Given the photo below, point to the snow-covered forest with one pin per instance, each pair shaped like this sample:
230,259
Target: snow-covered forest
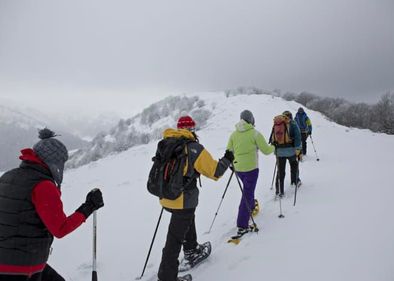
377,117
142,128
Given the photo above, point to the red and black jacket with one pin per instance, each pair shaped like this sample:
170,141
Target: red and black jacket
31,214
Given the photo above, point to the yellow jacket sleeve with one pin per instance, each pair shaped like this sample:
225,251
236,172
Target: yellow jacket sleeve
206,165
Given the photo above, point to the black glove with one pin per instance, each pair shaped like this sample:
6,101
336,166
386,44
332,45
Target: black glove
94,201
229,155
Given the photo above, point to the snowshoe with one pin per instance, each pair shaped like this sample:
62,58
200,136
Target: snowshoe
186,277
195,257
241,232
256,208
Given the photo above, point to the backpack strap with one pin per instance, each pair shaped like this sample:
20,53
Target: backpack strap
193,173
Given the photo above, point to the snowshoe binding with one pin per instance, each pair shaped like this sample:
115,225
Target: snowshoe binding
236,239
186,277
195,257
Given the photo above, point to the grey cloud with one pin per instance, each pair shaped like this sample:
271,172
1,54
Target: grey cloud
337,48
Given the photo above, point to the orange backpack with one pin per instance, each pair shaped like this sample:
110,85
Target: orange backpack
280,135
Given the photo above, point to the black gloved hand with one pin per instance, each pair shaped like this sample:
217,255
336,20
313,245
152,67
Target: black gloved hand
95,197
229,155
94,201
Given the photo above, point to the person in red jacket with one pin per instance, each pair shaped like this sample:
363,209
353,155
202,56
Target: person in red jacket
31,211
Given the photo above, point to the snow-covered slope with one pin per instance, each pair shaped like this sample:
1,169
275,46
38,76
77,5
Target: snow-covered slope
340,229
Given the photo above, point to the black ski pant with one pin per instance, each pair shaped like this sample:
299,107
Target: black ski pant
181,231
304,137
48,274
280,176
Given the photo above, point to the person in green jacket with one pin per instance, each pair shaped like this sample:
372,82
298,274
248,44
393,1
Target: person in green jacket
245,143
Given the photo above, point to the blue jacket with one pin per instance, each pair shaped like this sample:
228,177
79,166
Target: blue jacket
303,122
295,134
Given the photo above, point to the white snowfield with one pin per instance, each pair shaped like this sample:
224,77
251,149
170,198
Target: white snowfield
341,228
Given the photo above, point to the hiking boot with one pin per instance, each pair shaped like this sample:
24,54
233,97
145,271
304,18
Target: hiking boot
195,256
192,254
281,195
241,231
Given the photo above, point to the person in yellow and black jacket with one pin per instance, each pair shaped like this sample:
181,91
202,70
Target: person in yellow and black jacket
182,229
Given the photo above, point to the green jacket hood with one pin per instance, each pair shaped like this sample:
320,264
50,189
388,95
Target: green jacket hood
243,126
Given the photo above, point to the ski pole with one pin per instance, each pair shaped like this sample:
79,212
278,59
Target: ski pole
221,201
273,176
94,270
247,203
297,181
281,216
317,157
151,245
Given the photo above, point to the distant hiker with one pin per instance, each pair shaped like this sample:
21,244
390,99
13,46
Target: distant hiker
245,142
305,125
182,143
286,137
31,211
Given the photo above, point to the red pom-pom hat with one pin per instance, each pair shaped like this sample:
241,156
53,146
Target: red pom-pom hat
186,122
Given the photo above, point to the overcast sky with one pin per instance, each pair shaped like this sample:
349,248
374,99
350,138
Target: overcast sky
106,53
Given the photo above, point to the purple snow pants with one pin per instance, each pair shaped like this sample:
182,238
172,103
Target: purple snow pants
249,180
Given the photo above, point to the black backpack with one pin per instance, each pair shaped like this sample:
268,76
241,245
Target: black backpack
166,178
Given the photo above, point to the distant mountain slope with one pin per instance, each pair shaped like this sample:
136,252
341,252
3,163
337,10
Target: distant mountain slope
20,130
142,128
86,125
